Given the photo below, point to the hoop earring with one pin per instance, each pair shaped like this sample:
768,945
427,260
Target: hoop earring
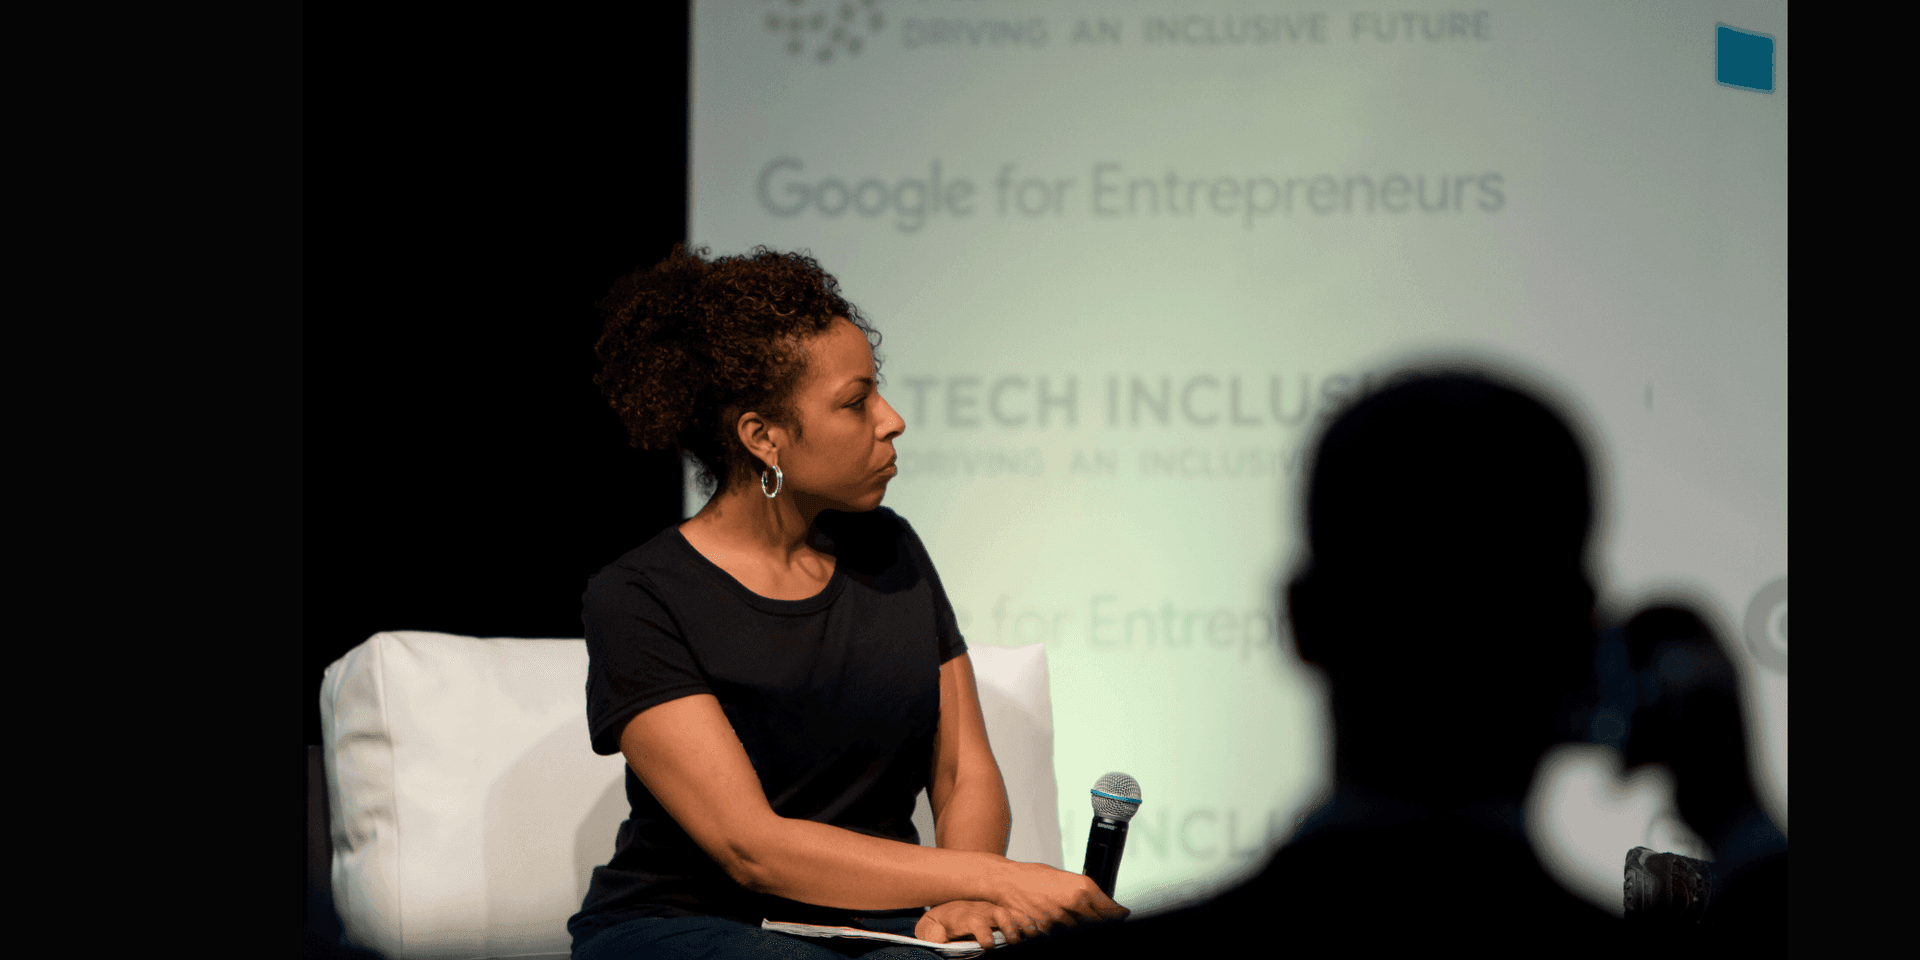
779,480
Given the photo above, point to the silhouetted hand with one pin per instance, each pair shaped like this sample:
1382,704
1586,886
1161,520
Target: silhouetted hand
1693,723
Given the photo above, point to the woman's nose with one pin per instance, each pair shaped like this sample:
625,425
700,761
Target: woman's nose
892,424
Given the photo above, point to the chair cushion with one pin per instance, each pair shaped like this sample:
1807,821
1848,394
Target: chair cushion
468,808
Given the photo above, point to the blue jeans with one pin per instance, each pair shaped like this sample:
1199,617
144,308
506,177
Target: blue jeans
718,938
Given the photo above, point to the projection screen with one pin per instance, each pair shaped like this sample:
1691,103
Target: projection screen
1124,255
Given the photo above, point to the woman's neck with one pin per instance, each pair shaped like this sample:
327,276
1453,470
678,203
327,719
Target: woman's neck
777,529
769,545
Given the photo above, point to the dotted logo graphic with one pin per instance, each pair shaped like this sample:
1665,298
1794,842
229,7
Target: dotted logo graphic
824,30
1766,625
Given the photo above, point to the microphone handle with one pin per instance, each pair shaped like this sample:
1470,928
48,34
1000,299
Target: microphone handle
1105,840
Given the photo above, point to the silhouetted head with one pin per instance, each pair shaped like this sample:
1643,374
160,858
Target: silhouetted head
1446,595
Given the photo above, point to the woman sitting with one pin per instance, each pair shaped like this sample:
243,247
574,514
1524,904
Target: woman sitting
783,672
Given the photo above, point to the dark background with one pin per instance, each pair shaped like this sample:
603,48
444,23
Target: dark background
474,183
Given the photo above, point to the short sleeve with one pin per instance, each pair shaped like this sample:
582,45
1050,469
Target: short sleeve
946,626
637,655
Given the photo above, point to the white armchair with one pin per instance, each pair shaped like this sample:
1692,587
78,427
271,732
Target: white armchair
467,809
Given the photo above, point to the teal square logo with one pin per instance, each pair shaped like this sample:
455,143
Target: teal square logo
1742,58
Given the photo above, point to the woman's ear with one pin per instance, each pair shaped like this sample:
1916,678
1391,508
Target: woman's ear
756,434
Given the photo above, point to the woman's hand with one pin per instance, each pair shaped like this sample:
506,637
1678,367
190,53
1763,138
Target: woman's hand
979,919
1033,898
968,918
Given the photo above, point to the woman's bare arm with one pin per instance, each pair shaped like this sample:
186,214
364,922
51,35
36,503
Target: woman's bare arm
970,810
688,756
969,798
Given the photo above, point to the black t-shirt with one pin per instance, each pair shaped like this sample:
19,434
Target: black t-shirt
836,699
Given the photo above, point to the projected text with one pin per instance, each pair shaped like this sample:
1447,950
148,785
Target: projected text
785,188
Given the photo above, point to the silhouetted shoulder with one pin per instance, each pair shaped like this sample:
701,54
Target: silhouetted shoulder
1407,886
1438,874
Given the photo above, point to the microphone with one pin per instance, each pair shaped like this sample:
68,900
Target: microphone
1116,798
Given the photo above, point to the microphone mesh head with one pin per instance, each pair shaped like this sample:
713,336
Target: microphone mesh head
1116,785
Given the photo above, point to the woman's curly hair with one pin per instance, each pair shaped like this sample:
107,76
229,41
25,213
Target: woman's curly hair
697,340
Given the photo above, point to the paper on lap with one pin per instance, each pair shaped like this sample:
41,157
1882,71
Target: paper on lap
957,948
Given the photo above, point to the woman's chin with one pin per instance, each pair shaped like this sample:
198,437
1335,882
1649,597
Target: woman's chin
861,504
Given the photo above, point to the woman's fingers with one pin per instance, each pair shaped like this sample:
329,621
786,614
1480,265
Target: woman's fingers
1035,926
931,930
979,920
982,928
1106,907
1017,927
1051,897
1094,904
1002,921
